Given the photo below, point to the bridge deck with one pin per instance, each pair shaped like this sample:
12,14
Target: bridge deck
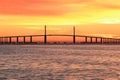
87,39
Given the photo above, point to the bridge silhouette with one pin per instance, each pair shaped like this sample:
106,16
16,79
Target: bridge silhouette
97,39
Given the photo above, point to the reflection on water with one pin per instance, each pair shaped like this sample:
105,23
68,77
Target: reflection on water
60,62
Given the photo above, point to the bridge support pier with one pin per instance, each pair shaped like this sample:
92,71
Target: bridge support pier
101,40
109,41
5,40
91,41
113,41
105,40
17,41
45,36
1,40
86,40
74,41
118,41
24,41
30,39
96,40
10,40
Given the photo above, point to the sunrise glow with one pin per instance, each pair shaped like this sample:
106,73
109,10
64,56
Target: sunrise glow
19,17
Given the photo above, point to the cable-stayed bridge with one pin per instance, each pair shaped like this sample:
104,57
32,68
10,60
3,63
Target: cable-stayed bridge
87,39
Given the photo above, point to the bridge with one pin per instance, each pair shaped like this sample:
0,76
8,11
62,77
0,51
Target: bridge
92,39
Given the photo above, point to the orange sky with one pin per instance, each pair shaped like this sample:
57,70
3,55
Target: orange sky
18,17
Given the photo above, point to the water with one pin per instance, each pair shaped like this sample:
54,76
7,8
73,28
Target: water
59,62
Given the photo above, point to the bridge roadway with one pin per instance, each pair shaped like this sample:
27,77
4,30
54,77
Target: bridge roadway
87,39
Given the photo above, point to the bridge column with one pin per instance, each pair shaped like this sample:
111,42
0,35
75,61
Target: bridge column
30,39
115,41
91,40
45,36
96,40
74,35
10,40
118,41
111,40
24,41
0,40
106,40
5,40
86,40
101,40
17,39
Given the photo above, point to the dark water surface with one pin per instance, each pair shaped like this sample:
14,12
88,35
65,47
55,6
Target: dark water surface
59,62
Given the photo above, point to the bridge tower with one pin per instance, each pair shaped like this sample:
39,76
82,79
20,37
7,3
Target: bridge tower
74,41
45,35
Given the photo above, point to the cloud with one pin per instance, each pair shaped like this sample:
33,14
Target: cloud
53,7
30,7
66,12
36,7
111,4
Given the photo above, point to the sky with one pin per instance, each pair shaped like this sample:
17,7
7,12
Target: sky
91,17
